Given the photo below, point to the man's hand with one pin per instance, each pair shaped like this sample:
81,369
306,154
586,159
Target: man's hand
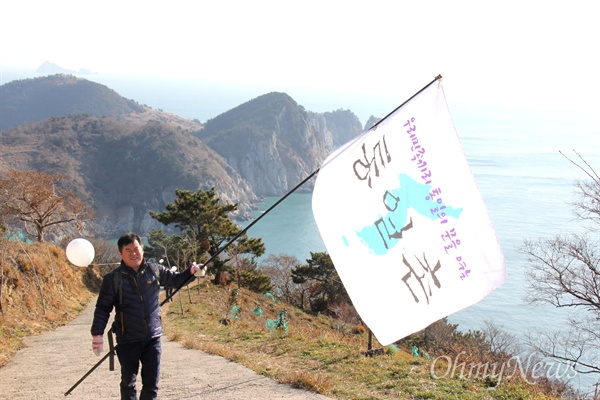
97,344
195,268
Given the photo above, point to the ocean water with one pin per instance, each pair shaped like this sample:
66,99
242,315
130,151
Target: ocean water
516,206
524,180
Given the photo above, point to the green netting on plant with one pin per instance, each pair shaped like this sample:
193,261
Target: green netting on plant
234,313
278,324
258,311
269,295
391,349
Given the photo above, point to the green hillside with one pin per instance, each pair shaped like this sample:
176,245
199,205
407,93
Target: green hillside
59,95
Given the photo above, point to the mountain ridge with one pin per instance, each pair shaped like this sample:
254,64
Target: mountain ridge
35,99
281,144
263,147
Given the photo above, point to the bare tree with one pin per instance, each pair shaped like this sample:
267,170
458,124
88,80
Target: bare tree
500,342
37,202
565,272
279,268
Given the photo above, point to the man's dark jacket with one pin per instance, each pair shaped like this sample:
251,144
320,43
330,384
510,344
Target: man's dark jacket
137,317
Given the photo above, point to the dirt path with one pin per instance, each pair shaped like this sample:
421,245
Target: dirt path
53,362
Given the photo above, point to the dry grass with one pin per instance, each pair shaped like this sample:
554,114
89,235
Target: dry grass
316,353
39,291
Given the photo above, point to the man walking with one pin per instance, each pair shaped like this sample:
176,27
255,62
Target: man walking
133,290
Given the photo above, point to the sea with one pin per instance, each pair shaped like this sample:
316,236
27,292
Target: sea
525,181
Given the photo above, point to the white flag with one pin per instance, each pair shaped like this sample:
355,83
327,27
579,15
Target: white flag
404,223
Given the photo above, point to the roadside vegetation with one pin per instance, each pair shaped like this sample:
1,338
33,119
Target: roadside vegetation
306,350
324,355
39,291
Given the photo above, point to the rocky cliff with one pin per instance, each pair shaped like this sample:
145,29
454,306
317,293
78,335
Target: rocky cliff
274,143
122,168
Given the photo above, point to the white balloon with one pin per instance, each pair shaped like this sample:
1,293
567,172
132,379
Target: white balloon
80,252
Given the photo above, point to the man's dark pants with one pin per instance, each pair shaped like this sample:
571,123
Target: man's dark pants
130,355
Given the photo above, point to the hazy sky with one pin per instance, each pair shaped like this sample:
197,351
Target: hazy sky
520,54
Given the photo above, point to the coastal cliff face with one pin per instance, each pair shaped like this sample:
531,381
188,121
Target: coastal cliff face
123,168
276,143
131,161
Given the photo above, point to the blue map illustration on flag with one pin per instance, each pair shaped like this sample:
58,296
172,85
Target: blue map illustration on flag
409,194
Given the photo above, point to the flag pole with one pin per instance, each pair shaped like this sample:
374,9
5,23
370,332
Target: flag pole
249,226
313,174
402,105
294,189
110,353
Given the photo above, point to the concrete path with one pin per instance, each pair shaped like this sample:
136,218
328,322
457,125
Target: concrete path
53,362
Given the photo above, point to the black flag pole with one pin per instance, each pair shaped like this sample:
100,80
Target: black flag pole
247,228
110,353
437,78
187,281
374,127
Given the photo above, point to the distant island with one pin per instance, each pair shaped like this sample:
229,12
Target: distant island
50,68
